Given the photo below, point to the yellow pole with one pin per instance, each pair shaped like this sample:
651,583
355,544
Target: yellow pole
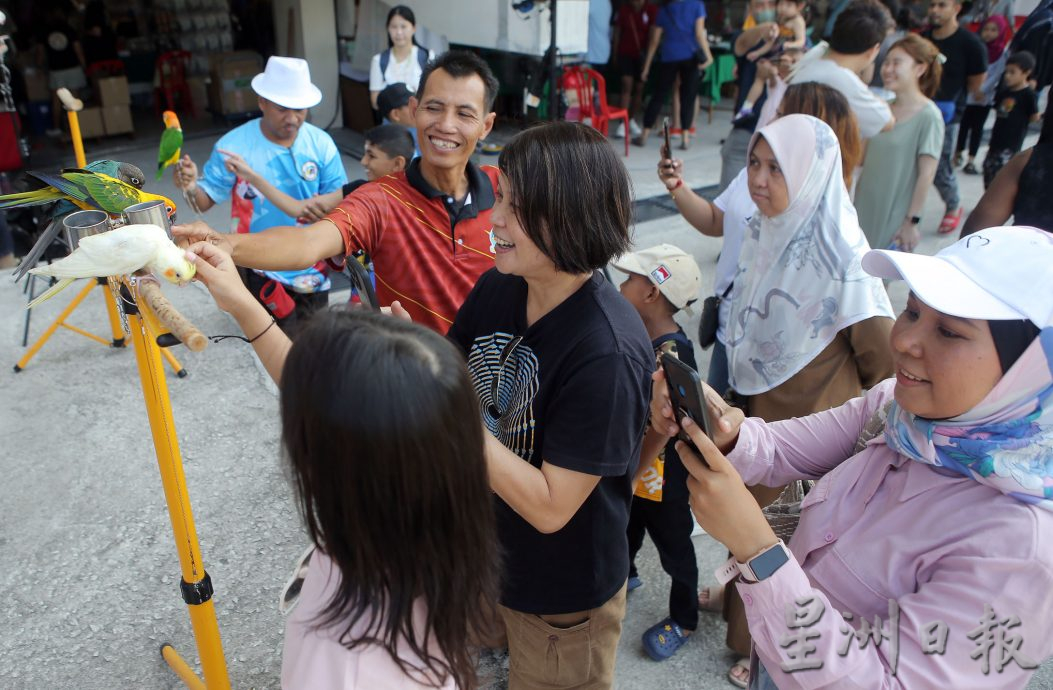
78,143
196,585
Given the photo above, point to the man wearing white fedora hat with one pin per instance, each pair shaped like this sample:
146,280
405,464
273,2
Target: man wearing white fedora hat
295,156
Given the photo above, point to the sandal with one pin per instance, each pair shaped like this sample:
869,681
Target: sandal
950,221
662,641
714,602
970,169
741,679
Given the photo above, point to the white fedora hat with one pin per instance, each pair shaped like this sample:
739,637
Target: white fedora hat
287,82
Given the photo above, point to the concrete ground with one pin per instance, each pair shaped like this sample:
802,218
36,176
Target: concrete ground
86,551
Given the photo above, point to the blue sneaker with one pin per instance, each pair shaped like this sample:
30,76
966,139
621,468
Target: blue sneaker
634,583
663,640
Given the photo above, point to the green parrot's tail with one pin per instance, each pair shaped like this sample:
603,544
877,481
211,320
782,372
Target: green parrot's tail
160,172
35,198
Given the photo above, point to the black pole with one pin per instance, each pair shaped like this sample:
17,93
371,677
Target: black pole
553,84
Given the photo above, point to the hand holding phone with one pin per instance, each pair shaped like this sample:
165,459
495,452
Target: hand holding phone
686,396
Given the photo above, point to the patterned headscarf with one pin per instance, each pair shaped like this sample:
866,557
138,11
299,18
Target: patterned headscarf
799,280
1005,442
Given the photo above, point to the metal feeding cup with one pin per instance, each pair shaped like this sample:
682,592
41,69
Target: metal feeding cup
83,223
149,213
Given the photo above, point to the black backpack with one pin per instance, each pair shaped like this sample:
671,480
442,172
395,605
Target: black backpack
385,59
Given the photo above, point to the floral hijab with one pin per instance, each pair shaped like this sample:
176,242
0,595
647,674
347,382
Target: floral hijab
799,280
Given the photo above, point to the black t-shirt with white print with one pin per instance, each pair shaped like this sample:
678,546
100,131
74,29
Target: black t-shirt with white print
572,390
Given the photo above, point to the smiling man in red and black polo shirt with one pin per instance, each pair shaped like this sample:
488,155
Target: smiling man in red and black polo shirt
427,229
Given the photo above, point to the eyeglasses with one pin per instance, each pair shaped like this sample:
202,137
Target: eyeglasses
495,382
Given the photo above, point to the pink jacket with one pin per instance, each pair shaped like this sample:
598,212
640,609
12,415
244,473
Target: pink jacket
963,563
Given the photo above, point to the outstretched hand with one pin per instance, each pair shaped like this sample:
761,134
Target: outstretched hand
217,271
722,504
199,231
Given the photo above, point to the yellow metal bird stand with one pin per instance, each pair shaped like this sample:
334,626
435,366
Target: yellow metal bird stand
154,325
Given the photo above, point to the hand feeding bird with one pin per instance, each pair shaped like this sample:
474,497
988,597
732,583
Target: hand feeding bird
171,143
118,252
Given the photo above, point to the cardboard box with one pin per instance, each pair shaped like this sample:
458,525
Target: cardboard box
235,101
230,92
112,91
91,126
36,84
117,119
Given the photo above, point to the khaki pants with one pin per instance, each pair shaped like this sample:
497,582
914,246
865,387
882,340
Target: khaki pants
565,650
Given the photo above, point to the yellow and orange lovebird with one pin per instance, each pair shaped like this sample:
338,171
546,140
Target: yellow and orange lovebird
171,143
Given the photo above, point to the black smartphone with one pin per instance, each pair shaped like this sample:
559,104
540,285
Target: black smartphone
686,395
667,149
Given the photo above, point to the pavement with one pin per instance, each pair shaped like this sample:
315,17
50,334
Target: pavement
86,550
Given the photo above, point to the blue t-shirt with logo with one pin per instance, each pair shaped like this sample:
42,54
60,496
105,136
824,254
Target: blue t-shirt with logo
677,20
311,166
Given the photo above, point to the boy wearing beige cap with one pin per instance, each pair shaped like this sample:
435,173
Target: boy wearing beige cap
663,280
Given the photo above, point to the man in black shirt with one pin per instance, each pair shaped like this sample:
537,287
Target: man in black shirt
963,73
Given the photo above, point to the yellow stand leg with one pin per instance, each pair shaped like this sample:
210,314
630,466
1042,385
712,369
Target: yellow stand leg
115,328
74,134
196,586
60,320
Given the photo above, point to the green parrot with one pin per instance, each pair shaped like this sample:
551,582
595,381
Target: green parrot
171,143
125,172
86,189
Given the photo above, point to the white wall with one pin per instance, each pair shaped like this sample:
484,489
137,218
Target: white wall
314,39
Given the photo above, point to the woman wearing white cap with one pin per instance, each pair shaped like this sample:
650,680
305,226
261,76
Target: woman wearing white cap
929,531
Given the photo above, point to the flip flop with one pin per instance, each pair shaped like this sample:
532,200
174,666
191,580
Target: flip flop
713,603
950,221
740,681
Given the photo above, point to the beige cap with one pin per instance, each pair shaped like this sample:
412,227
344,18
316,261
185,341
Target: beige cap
670,268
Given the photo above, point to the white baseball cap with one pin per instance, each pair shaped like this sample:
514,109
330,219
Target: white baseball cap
287,82
995,274
670,268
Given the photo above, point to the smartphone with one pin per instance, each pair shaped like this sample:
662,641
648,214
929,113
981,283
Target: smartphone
667,149
686,395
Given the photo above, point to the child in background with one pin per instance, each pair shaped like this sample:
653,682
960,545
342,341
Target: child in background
1015,107
662,281
776,72
389,149
995,34
791,37
381,429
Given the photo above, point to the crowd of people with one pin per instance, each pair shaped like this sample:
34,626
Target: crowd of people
492,488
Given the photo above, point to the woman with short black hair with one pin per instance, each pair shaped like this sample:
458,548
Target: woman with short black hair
562,365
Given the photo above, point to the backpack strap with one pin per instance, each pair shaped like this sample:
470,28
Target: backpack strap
385,59
422,57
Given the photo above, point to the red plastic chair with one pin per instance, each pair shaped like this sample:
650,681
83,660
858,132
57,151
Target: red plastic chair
171,69
591,89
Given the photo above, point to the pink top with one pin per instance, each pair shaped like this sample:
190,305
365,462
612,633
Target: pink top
313,659
879,526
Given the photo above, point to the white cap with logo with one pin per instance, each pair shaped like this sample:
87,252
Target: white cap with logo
670,268
995,274
286,81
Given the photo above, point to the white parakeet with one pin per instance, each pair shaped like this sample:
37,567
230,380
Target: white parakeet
119,252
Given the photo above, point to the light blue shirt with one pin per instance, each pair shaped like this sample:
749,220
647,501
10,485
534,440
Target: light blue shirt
311,166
